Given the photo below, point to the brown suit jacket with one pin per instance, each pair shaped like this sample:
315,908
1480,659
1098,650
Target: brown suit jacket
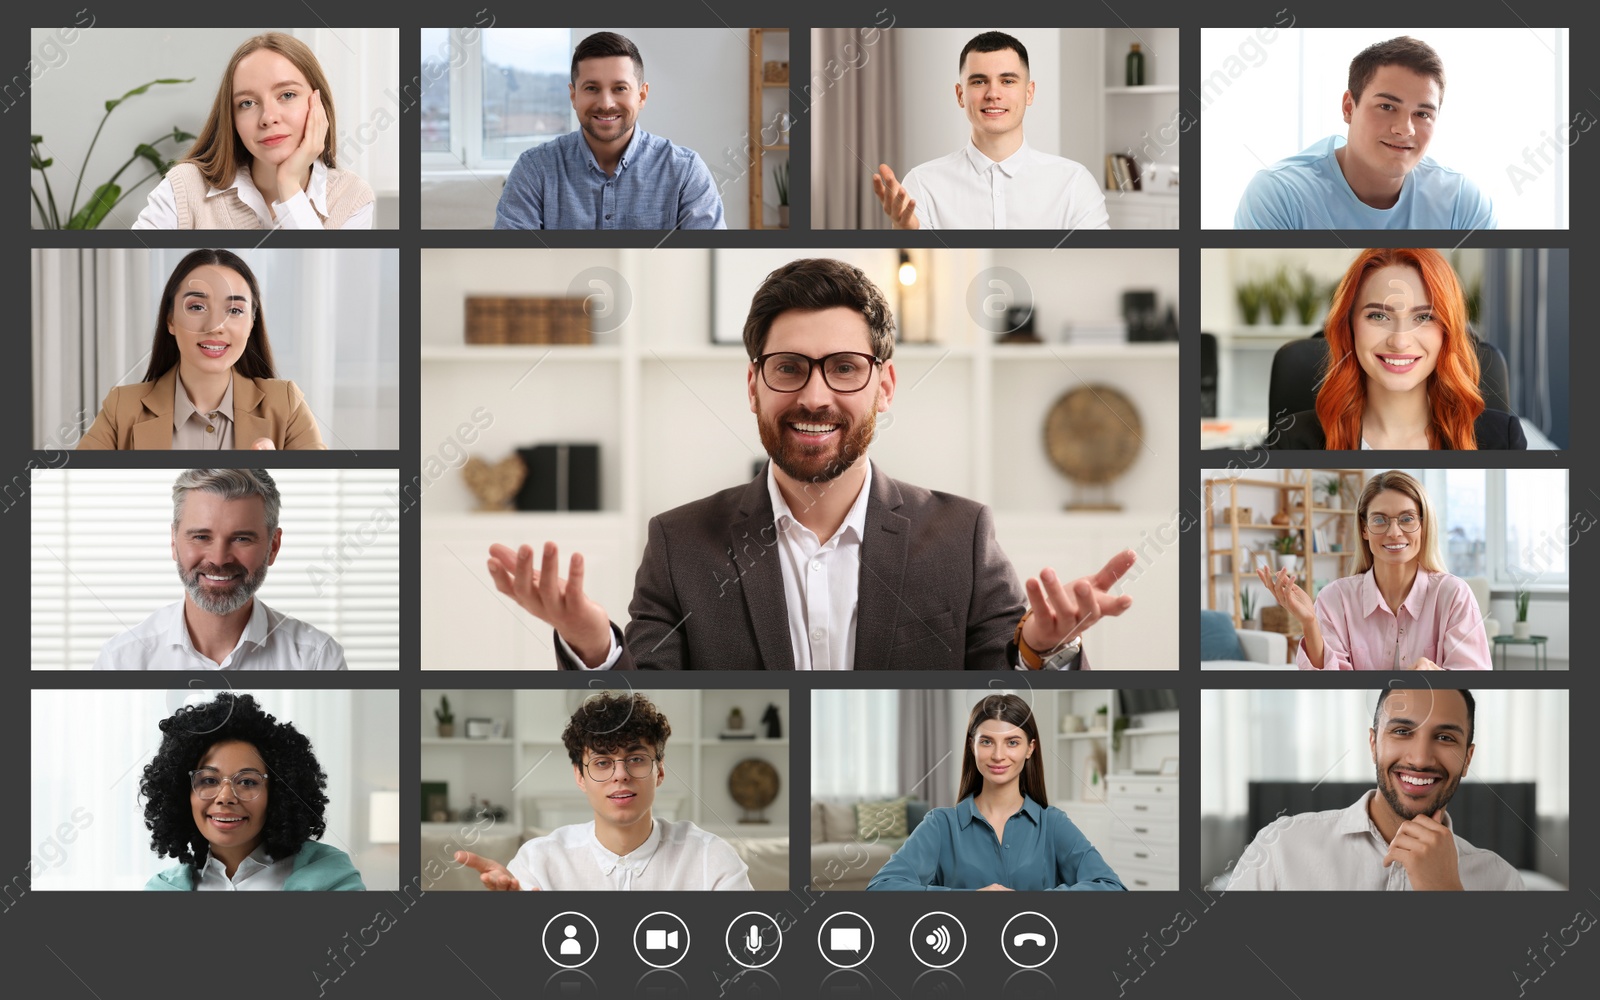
139,416
935,592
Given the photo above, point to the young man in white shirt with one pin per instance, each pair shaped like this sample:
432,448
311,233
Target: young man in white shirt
617,744
995,181
1398,836
224,536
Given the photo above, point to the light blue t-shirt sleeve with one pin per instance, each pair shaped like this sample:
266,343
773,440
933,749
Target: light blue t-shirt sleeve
915,865
1268,203
521,200
699,204
1474,209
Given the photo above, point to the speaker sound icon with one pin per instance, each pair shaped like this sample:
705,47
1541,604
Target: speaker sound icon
939,940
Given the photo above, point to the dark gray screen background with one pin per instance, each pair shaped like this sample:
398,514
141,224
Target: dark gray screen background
106,945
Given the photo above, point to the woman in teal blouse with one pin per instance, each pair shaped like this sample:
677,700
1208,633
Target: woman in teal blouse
1002,834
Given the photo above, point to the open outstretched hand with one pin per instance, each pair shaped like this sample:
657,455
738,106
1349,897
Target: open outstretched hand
1062,611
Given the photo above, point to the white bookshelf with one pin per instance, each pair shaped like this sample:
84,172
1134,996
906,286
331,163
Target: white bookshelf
530,774
1143,120
670,412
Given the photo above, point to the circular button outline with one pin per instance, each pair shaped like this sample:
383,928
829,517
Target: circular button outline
545,944
846,913
958,923
1055,939
686,938
775,926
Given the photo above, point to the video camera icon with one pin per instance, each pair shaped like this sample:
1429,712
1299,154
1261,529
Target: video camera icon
661,939
938,940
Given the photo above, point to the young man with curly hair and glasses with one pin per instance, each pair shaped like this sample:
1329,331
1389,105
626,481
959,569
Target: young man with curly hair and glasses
617,744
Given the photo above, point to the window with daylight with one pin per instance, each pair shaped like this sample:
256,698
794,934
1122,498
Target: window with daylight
1509,525
490,94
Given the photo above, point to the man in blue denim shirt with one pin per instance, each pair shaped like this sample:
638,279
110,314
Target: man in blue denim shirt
610,174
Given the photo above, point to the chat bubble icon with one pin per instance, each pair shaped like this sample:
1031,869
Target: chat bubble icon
844,939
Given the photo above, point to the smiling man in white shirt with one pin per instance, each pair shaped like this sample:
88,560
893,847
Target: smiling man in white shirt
1397,837
617,744
997,180
224,536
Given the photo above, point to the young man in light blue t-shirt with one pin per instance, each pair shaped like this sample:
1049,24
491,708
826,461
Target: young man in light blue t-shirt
1377,177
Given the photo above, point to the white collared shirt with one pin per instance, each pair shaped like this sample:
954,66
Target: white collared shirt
271,640
1026,190
256,873
676,856
1342,849
305,210
821,579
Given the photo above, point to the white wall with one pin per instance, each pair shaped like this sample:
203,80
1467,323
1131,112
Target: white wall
68,100
931,123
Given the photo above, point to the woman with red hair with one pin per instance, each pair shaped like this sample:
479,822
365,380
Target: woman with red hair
1402,365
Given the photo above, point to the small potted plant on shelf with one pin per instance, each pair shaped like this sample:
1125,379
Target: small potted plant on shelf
1247,611
1277,296
446,718
780,180
1308,299
1332,489
1249,295
1520,628
1287,558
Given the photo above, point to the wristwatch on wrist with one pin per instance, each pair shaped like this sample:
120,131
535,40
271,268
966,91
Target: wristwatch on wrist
1035,660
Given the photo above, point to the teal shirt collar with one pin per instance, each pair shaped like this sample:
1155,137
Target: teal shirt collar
967,811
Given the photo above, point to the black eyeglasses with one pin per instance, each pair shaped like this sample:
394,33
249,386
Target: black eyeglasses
846,371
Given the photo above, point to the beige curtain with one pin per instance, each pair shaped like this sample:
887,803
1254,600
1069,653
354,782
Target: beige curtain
930,767
852,100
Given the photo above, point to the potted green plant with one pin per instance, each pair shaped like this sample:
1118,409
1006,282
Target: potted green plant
1520,628
1332,488
1276,297
1249,296
1308,300
1286,545
1117,727
780,180
110,194
446,718
1247,610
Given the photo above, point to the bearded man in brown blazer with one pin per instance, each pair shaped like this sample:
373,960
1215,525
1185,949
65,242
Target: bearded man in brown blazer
822,562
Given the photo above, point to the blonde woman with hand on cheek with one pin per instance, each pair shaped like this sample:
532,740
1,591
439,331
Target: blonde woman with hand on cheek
1401,610
265,156
211,384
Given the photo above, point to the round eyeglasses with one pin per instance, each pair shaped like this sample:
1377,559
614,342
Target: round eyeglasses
845,371
247,784
1409,523
637,765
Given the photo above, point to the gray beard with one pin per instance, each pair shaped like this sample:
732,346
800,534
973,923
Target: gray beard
223,604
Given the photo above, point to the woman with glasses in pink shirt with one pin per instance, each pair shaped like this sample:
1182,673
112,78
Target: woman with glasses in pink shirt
1401,610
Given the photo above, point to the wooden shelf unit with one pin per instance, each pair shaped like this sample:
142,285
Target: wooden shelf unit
1296,495
758,120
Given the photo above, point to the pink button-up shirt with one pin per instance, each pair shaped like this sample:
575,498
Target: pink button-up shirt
1439,620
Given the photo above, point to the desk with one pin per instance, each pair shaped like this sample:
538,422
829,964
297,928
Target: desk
1541,659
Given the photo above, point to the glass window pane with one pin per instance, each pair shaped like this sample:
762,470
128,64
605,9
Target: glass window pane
1462,537
526,72
1536,525
436,90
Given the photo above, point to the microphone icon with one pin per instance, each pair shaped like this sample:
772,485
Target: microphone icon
752,939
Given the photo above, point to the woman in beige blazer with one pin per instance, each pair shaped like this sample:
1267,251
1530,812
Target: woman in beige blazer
211,384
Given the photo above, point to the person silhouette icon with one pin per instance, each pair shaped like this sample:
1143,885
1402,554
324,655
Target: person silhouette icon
571,946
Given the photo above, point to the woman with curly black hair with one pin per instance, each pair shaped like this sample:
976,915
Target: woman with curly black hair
237,797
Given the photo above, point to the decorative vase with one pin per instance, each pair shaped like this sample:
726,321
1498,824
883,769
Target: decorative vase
1520,630
1252,624
447,730
783,216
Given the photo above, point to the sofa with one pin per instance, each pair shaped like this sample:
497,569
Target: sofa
1223,647
842,857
